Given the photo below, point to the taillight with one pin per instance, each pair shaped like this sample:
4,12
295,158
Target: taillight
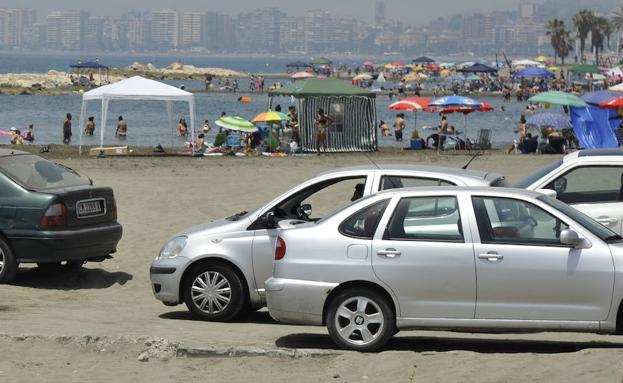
55,215
280,249
113,208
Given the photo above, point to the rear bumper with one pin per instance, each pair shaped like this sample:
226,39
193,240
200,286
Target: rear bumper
297,301
66,245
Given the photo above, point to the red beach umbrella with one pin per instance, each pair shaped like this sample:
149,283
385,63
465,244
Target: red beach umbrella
412,104
616,104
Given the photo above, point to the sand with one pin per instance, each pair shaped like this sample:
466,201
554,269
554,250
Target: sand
94,325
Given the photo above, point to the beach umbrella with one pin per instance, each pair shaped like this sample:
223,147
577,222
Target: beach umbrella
423,60
467,110
236,123
320,61
363,76
525,63
478,68
368,63
411,104
617,88
271,116
534,72
558,98
542,59
447,101
302,75
616,104
545,119
598,97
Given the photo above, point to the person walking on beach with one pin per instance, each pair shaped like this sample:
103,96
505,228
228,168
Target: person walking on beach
322,124
122,128
67,129
399,125
90,128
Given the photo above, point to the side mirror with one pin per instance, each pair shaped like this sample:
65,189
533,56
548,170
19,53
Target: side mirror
269,220
306,209
571,238
548,192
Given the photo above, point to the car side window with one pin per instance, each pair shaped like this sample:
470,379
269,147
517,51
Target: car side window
590,184
397,182
426,219
512,221
363,223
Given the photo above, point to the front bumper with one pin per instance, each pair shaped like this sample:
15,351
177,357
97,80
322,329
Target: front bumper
165,275
297,301
77,244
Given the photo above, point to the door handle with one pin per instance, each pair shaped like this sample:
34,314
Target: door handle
389,253
607,221
491,256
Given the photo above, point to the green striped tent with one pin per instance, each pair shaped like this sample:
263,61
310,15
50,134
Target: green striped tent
353,108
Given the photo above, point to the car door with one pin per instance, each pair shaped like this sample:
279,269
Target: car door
596,190
523,271
425,255
324,196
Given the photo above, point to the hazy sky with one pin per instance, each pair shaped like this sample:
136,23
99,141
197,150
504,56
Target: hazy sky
411,11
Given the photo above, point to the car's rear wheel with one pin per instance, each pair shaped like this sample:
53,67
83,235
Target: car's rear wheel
214,292
360,319
8,264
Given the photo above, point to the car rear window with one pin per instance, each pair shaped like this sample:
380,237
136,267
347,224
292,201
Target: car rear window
36,173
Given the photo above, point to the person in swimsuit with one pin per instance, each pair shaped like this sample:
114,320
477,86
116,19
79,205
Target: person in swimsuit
90,128
122,128
322,124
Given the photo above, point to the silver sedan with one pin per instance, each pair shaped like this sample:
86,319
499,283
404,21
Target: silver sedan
452,258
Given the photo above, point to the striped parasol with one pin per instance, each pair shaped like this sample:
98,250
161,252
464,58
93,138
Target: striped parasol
412,104
236,123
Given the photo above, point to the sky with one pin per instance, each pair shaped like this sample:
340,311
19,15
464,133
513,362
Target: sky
410,11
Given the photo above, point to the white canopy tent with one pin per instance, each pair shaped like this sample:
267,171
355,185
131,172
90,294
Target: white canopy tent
137,88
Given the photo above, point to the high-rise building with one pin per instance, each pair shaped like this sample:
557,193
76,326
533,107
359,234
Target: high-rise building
13,24
214,31
258,30
65,29
53,23
192,29
379,14
138,31
527,10
92,38
165,29
316,24
34,36
292,34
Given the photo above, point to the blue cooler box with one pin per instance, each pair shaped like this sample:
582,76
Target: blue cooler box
417,144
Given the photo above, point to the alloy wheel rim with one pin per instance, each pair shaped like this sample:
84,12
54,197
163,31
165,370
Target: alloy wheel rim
2,260
211,292
359,321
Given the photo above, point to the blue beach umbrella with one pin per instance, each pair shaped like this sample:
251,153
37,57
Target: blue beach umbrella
532,72
455,101
546,119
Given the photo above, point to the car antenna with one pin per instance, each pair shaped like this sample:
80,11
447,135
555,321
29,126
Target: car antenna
471,159
372,161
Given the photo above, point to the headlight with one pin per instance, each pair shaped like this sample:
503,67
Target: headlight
172,248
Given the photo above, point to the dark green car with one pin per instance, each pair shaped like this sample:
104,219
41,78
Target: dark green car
51,215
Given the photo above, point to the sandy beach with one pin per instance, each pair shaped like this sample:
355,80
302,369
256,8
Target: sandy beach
95,325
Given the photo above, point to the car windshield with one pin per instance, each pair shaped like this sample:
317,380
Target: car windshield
36,173
537,175
587,222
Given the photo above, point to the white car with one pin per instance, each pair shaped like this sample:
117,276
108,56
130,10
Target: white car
589,180
448,258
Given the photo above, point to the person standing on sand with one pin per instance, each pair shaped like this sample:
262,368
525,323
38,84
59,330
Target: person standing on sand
122,128
522,133
67,129
90,128
322,124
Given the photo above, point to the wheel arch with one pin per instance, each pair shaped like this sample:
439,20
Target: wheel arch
619,319
353,284
212,259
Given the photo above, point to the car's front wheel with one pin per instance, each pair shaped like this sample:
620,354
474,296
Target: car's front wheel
213,292
360,319
8,264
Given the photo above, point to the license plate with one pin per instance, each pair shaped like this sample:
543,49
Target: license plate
90,208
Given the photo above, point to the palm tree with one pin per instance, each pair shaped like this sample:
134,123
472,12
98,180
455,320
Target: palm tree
616,21
583,21
600,33
559,38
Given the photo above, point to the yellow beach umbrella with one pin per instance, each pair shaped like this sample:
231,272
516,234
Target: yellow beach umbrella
541,58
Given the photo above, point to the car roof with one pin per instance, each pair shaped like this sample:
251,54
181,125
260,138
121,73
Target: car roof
11,152
594,153
413,168
436,190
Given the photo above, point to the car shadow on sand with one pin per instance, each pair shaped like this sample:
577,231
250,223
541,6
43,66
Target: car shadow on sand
443,344
60,279
256,317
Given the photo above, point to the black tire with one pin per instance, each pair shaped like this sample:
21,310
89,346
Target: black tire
379,333
211,311
9,267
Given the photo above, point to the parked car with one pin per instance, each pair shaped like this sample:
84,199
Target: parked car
588,180
52,215
448,258
219,268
